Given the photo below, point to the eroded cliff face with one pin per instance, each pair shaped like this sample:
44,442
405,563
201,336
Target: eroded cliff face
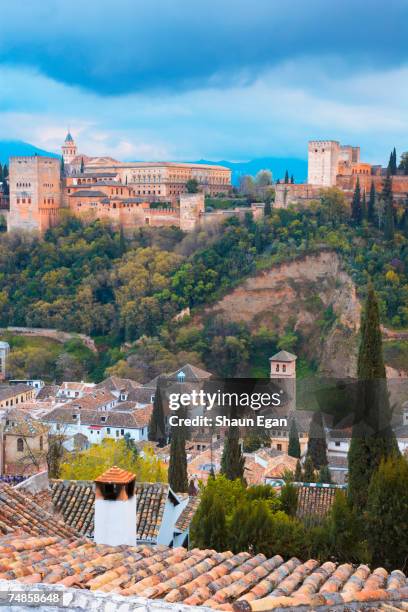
312,295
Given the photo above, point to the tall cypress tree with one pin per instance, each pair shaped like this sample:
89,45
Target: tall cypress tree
232,460
1,173
356,211
82,165
389,227
177,473
371,203
317,447
364,206
309,473
286,177
62,166
392,164
5,172
294,444
298,476
372,437
157,428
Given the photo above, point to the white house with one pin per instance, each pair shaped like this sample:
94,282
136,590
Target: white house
98,425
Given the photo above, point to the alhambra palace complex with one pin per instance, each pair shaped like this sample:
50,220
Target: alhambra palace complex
123,193
331,164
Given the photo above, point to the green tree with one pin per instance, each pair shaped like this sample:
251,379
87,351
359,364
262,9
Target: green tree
371,204
192,186
268,208
356,209
208,527
157,427
289,499
82,167
298,476
286,180
364,206
309,472
387,513
346,531
392,164
294,444
232,460
387,199
372,435
62,167
317,447
324,475
90,463
403,165
178,479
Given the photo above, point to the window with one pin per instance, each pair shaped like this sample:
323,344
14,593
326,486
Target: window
277,367
117,433
181,377
284,368
41,443
108,430
279,447
337,443
122,432
20,445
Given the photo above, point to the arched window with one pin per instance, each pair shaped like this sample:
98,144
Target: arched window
181,377
41,443
20,445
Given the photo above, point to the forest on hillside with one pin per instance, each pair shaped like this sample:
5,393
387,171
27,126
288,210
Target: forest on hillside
125,290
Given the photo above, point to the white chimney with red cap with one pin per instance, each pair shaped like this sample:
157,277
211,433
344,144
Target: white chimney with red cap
115,508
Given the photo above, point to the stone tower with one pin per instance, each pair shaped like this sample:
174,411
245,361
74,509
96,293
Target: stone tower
69,149
35,192
323,162
283,371
192,207
4,353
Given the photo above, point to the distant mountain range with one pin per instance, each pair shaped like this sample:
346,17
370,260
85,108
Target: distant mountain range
277,165
9,148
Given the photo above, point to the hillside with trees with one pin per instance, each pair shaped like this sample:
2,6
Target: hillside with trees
125,291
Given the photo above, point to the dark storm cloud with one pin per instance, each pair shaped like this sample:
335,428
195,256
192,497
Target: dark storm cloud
124,46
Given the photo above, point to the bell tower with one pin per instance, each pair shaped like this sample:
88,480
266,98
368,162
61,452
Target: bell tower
283,371
69,149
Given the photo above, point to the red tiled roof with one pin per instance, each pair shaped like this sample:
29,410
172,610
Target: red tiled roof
116,475
196,577
19,512
74,501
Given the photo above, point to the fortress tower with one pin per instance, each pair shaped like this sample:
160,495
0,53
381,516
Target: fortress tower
35,192
192,207
323,162
69,149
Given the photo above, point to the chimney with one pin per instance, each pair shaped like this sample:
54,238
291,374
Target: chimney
115,508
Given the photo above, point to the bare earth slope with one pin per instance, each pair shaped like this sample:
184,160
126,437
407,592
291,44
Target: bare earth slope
298,295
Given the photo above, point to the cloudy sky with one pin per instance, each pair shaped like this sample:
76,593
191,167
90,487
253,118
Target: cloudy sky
214,79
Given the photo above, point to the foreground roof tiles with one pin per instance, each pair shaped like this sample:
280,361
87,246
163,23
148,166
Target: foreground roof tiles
19,512
197,577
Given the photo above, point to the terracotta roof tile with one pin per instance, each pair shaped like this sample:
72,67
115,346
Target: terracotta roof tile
223,581
185,518
19,512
